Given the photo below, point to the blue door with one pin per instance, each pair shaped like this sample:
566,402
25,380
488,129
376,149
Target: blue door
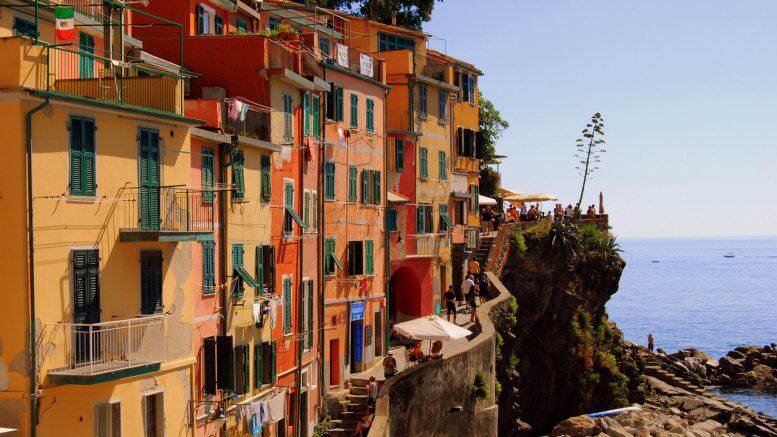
357,342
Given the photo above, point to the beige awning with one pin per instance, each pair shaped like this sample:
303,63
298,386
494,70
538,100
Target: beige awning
507,192
393,197
483,200
539,197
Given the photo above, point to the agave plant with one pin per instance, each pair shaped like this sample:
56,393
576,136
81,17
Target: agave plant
564,243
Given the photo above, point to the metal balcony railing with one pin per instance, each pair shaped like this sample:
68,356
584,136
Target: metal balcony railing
81,73
427,245
89,350
90,8
253,123
172,212
281,56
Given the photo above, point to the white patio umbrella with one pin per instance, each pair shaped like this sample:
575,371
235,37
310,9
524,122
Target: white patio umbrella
431,328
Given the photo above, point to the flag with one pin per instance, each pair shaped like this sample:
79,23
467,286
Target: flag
65,25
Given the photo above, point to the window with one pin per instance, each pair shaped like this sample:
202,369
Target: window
314,218
258,365
218,25
352,171
465,86
242,359
388,42
422,99
329,181
273,23
207,174
225,371
391,218
399,154
306,113
265,269
334,107
369,268
205,18
466,142
316,117
460,212
241,25
367,192
370,115
266,181
330,257
86,288
108,419
290,216
86,57
287,305
376,187
268,362
154,415
354,110
208,268
23,27
151,282
443,165
355,258
209,365
442,104
288,132
82,157
445,221
424,165
323,47
424,219
238,182
306,210
471,87
309,316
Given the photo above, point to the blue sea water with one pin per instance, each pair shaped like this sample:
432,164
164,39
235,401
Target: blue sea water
688,294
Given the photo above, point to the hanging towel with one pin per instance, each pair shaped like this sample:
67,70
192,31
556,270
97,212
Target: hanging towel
257,310
342,55
243,111
365,65
233,111
264,412
274,312
256,425
277,406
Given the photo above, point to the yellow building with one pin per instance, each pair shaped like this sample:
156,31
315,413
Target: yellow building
103,217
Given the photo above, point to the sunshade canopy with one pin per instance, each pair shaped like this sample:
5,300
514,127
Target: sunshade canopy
396,198
539,197
431,328
507,192
483,200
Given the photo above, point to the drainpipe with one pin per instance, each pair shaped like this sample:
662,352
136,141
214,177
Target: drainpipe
321,260
387,236
31,269
300,257
223,243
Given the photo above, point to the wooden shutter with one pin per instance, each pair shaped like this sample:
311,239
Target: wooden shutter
376,197
422,99
287,305
151,281
207,174
331,105
314,202
339,110
399,154
115,419
419,219
352,186
237,261
368,248
208,267
310,314
268,268
238,179
354,110
226,363
88,166
209,365
392,219
306,113
259,269
370,115
245,353
423,163
86,286
329,189
266,188
82,157
316,117
273,362
365,186
443,165
258,368
288,132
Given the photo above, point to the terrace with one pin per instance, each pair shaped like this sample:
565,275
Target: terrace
171,213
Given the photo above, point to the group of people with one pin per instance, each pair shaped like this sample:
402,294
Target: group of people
490,218
365,422
474,290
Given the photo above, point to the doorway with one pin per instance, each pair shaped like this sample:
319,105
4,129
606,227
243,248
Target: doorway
378,333
303,414
334,361
148,177
357,344
86,303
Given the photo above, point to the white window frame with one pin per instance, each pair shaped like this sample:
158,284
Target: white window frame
160,413
109,419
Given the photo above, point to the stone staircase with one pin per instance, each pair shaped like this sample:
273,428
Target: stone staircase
484,249
653,368
355,406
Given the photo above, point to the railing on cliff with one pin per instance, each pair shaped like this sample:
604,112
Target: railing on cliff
500,248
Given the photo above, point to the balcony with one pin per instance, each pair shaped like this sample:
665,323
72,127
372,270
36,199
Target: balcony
471,236
173,213
399,120
254,123
426,245
94,353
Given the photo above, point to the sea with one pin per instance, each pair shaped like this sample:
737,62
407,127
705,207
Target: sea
688,293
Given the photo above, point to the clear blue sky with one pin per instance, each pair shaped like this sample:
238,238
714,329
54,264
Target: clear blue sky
688,90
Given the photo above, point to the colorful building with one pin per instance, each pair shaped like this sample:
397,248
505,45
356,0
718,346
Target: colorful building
104,222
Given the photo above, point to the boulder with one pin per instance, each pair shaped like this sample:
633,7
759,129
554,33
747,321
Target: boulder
731,366
761,376
579,426
618,431
735,354
708,427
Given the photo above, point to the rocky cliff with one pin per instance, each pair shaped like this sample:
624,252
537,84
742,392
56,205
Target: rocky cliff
558,355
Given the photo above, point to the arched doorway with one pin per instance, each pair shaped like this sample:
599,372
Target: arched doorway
405,300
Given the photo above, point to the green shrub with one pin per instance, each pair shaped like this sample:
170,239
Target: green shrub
514,360
517,242
497,388
480,388
499,342
321,429
535,232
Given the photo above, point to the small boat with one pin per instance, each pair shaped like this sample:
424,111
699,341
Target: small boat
656,261
728,255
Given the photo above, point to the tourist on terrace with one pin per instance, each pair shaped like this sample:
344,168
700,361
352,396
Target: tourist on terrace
484,288
389,366
651,342
467,285
591,212
512,214
474,267
485,217
523,208
569,212
450,303
473,304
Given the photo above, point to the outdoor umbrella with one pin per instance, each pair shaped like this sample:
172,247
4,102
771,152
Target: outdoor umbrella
527,198
431,328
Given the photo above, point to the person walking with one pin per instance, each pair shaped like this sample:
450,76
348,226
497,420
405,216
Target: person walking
389,366
651,342
372,391
474,267
450,303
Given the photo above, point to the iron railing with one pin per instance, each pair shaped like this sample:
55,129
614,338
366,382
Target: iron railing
471,236
79,72
281,56
360,62
91,349
427,245
90,8
254,123
167,209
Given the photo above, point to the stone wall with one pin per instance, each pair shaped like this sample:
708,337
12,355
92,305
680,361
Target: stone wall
436,398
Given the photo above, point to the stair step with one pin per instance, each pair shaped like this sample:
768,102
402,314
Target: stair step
358,399
359,382
358,390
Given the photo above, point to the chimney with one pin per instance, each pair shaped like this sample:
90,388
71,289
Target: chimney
393,18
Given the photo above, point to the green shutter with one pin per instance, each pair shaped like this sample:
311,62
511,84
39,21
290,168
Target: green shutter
258,380
354,110
207,174
370,115
148,151
392,219
443,165
376,198
310,314
86,286
85,61
259,269
246,362
419,219
422,99
82,157
329,188
151,281
329,256
399,154
287,305
237,173
423,163
365,187
441,103
288,132
352,171
316,117
368,246
237,261
208,270
339,111
306,211
266,181
273,362
314,218
306,113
